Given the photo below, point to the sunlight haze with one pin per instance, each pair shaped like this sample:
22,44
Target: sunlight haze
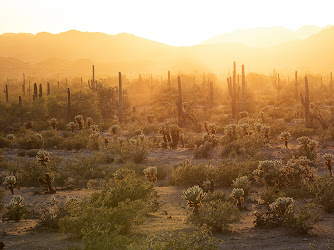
178,23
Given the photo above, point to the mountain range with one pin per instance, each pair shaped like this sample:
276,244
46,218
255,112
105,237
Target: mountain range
309,49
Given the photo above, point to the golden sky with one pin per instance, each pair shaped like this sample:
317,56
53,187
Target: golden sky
174,22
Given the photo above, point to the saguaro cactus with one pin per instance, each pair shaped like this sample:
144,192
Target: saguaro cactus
120,101
40,91
331,83
6,92
24,85
278,85
20,101
168,84
35,89
306,103
179,104
296,84
29,89
93,85
68,104
48,89
234,90
211,92
243,89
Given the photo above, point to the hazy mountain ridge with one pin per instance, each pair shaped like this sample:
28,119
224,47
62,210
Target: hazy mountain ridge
73,52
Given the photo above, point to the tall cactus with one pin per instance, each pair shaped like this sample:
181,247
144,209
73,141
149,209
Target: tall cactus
243,89
179,104
40,91
69,115
306,103
168,83
48,89
6,92
296,84
277,84
35,89
58,86
93,85
24,85
20,101
234,90
120,98
211,92
331,83
29,89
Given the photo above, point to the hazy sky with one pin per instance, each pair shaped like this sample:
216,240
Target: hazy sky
175,22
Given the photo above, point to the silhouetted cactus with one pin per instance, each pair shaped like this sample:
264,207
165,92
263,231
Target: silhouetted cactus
120,98
20,101
29,89
234,90
48,89
306,103
296,84
69,104
331,83
93,85
179,103
6,92
24,85
168,83
35,90
40,91
278,85
243,89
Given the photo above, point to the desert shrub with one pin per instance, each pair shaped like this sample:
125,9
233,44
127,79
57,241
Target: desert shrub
283,212
4,141
215,195
268,195
120,205
299,130
28,139
216,215
14,210
2,196
95,141
198,240
52,139
21,153
31,152
75,141
187,173
323,190
203,150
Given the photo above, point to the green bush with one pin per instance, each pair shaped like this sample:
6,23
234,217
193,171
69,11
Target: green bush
52,139
216,215
323,190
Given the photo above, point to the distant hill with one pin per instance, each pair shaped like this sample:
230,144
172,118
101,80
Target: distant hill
264,37
72,53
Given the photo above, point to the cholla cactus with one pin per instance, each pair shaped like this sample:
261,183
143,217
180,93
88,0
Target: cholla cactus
242,182
238,195
194,195
208,186
285,136
94,135
10,137
231,130
43,157
94,128
244,127
10,182
267,173
138,132
213,128
151,173
48,181
114,128
328,162
121,139
258,127
141,137
80,121
53,122
307,147
281,206
15,209
266,132
71,126
89,122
